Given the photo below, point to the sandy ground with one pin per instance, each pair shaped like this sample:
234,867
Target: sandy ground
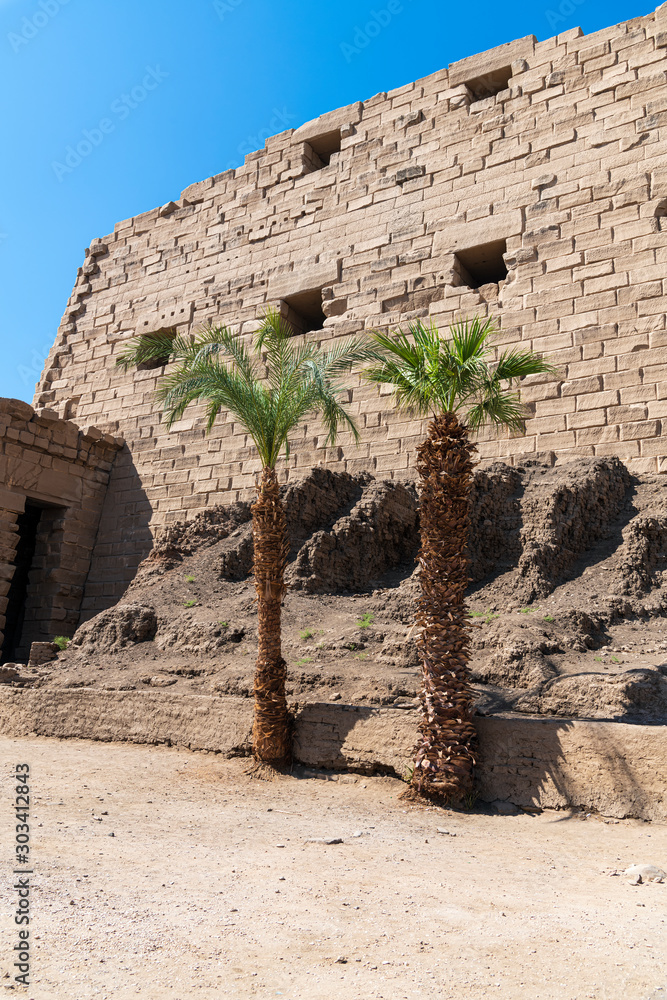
209,888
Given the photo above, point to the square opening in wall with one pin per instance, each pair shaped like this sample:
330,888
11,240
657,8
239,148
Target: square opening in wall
160,360
489,84
483,264
322,147
304,311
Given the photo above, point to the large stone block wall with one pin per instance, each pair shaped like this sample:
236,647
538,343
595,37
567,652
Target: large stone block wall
64,470
565,164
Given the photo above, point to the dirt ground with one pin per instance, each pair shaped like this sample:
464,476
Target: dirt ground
168,874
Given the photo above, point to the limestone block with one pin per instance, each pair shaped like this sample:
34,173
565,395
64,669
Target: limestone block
326,124
491,60
453,238
314,276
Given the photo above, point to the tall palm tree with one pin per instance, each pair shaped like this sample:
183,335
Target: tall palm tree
270,386
455,382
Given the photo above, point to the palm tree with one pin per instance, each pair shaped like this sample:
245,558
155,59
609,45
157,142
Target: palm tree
269,386
457,384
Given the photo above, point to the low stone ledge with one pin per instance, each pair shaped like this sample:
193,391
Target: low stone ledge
613,768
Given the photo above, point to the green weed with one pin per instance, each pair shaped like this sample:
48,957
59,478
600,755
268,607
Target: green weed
306,634
614,659
526,611
303,661
189,604
62,642
366,620
549,618
189,579
224,624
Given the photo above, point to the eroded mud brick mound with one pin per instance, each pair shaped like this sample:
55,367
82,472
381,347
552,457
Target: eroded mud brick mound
643,557
565,511
183,538
111,630
379,533
495,519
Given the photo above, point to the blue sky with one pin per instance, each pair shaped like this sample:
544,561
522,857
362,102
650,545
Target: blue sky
168,93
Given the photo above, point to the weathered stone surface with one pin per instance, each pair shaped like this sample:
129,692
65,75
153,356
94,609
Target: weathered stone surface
612,768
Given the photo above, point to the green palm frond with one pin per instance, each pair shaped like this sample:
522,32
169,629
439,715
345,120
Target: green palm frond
270,384
430,374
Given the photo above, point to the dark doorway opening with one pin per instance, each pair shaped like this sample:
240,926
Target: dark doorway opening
28,523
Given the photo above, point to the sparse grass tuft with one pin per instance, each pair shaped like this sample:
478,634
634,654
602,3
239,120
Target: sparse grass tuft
366,620
526,611
549,618
189,579
615,659
303,661
306,634
224,624
189,604
62,642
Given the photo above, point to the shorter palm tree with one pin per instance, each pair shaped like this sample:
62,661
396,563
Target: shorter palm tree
270,386
456,383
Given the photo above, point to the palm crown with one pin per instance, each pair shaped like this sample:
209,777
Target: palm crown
432,375
269,385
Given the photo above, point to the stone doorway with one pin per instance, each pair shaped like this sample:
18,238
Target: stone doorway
28,526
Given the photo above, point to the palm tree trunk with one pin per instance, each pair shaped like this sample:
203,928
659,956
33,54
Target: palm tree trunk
271,737
445,752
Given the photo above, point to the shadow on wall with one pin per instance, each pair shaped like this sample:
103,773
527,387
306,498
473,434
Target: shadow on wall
123,538
612,768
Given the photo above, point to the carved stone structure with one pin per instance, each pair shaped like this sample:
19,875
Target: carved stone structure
54,480
528,182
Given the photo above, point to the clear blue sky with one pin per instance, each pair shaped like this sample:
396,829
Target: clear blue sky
212,74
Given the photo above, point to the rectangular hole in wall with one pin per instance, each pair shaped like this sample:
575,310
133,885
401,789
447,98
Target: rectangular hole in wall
483,264
318,151
158,362
489,84
28,524
304,311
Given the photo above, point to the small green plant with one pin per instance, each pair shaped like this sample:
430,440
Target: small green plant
303,661
549,618
366,620
476,614
306,634
615,659
320,645
62,642
408,773
598,659
361,656
189,579
469,800
490,615
526,611
189,604
224,624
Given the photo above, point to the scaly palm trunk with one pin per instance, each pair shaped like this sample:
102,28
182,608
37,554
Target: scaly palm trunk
445,752
271,738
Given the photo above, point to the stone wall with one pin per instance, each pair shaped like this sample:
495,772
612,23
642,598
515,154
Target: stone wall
607,767
541,159
59,472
